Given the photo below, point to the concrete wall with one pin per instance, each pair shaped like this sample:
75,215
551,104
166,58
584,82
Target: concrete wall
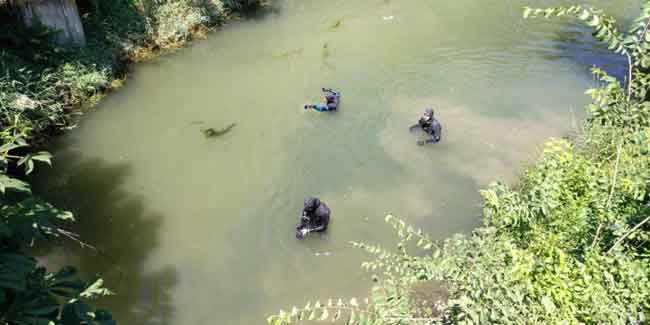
62,15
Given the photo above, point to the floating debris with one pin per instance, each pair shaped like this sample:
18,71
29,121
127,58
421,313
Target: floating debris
323,254
325,51
388,17
336,24
289,54
211,133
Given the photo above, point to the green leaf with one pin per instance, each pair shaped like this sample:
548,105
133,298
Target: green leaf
527,12
65,215
95,290
645,62
337,315
353,317
548,304
43,156
7,182
5,148
325,315
30,167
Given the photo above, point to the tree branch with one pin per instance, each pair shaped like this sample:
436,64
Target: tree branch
75,237
628,234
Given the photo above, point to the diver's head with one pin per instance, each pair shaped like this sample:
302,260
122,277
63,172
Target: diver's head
428,113
311,204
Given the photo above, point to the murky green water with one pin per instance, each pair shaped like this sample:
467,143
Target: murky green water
200,231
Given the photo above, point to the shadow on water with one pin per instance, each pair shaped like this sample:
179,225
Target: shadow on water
117,223
260,13
577,43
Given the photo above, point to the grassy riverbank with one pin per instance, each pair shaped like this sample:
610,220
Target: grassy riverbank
43,88
569,245
45,84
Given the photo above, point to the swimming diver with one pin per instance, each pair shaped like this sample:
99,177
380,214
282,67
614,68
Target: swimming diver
332,100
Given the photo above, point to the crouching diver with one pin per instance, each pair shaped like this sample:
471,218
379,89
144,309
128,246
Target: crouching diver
332,100
315,217
430,126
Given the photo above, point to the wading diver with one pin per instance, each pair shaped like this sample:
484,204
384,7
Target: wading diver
315,217
430,126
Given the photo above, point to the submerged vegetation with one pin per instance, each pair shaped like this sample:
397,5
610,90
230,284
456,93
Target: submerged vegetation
43,86
213,133
570,244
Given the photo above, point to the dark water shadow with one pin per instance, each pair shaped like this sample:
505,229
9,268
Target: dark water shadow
261,12
122,229
578,44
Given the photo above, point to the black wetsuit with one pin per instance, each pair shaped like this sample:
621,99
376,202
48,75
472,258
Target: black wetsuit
432,127
313,219
317,218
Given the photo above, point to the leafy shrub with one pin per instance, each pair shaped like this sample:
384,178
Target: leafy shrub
79,82
178,19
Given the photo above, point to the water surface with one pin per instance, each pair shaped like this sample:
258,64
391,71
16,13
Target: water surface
200,231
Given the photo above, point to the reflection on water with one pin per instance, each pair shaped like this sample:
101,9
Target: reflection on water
196,230
124,233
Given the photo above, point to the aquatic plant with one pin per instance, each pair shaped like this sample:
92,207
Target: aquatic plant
336,24
325,51
571,244
212,133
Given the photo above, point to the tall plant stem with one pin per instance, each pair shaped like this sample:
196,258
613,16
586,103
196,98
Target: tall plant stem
611,192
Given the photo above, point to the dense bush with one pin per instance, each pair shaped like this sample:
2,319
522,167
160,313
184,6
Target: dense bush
570,245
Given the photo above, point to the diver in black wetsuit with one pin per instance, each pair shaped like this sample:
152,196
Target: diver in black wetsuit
315,217
430,126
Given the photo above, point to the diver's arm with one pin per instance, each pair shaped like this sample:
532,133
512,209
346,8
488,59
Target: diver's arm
414,127
319,228
321,108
